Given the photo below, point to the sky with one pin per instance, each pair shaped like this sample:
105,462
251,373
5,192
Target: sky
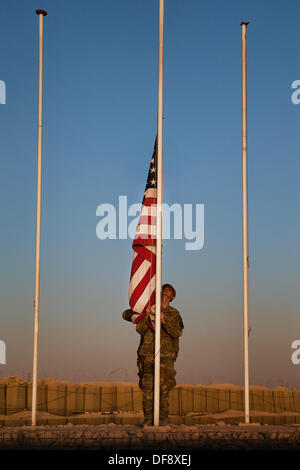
99,126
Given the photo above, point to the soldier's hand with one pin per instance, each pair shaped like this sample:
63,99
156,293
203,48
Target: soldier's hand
162,317
148,310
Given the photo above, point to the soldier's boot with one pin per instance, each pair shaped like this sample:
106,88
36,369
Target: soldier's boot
164,421
148,421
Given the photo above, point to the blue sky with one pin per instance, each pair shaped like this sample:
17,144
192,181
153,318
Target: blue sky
100,106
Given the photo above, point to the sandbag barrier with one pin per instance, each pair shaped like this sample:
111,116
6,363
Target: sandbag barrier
66,399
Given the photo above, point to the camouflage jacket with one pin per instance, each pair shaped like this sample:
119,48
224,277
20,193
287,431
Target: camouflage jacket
170,331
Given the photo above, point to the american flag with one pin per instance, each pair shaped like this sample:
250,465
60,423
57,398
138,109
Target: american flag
142,277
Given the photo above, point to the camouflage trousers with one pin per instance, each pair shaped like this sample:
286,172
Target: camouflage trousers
146,384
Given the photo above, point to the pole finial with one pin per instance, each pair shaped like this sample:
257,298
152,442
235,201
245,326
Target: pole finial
41,12
245,22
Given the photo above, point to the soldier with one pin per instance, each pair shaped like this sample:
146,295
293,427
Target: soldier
171,329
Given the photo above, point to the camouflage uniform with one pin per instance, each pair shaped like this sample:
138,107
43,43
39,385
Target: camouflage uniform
171,329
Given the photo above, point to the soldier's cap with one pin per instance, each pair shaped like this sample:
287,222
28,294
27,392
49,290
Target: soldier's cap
168,286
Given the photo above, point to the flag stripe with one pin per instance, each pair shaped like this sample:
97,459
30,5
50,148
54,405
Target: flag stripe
146,253
140,290
143,269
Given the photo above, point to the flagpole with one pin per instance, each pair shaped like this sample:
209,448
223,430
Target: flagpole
159,215
245,215
41,14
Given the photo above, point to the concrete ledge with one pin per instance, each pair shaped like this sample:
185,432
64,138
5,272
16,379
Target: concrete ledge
171,437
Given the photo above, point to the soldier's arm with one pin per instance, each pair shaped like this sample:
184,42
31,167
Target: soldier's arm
173,325
127,314
142,325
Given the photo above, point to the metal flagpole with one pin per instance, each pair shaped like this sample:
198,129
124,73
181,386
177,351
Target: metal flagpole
41,14
159,214
245,215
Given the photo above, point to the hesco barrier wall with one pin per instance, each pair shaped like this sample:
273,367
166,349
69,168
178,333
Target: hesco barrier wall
67,398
